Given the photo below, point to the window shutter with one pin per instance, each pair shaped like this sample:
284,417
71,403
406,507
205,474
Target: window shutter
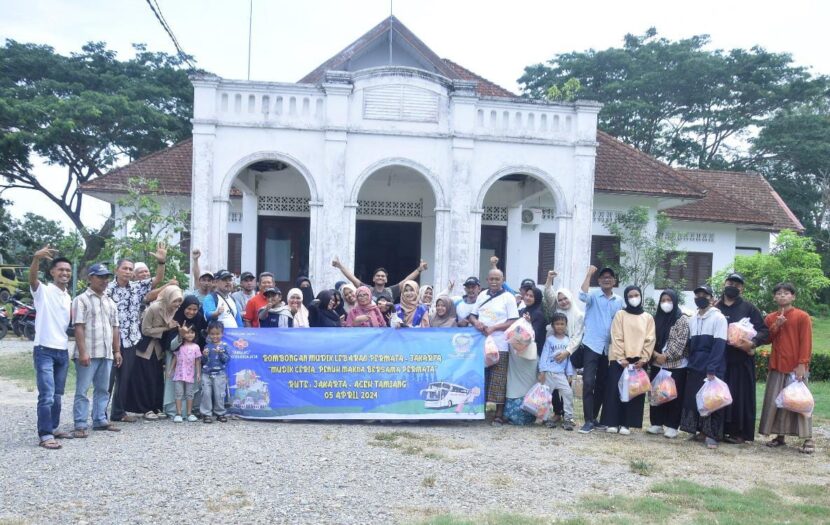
547,253
605,251
235,253
698,270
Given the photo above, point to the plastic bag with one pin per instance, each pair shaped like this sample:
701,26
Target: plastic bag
740,331
796,397
633,382
713,396
520,334
537,401
663,388
491,351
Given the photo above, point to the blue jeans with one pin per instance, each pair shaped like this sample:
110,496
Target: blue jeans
51,367
96,374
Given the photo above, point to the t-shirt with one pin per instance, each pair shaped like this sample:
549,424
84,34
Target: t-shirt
547,361
390,292
496,311
463,309
52,319
242,298
186,362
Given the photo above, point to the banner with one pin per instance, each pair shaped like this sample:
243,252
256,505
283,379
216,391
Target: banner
356,373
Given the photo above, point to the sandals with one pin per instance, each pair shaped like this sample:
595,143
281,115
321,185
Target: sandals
108,427
62,435
127,419
207,419
711,444
734,440
151,416
776,442
222,419
80,433
808,447
497,421
50,444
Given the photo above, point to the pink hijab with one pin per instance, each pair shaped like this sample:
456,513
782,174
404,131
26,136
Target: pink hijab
376,319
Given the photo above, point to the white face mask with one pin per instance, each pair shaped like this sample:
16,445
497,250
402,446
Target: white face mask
667,307
634,302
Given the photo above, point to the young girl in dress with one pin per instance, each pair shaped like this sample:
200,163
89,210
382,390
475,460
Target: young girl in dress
185,372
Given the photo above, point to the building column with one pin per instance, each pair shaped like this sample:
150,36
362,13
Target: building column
464,241
201,194
250,233
513,251
581,220
218,254
443,230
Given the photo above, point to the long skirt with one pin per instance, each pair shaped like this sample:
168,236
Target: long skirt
740,415
495,378
514,414
668,414
690,419
169,399
145,390
777,421
615,413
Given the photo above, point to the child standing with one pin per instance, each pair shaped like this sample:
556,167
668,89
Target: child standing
214,376
555,368
184,368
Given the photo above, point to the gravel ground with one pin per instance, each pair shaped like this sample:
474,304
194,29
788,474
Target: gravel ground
11,344
304,472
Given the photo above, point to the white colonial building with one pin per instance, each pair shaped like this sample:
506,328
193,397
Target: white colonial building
387,154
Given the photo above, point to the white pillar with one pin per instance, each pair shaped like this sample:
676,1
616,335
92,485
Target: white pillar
464,217
201,194
512,268
581,220
250,210
218,255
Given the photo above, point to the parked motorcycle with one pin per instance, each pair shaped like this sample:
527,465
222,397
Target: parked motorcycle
23,319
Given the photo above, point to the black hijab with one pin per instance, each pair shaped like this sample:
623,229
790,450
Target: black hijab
537,319
319,315
198,323
340,309
308,292
663,322
628,308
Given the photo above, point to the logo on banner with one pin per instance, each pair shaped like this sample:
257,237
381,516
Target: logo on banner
462,344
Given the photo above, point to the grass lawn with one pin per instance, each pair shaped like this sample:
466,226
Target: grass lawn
20,369
821,394
821,335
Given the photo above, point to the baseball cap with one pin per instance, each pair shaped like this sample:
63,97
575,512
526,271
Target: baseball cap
271,291
607,270
705,288
206,274
472,281
246,275
99,269
735,277
222,275
527,283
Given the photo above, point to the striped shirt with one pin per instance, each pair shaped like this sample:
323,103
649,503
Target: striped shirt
99,315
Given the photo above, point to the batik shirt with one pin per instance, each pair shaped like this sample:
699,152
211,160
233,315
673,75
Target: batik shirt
128,299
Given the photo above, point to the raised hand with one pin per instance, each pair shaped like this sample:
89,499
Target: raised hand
592,269
336,262
46,252
450,285
423,266
196,253
161,252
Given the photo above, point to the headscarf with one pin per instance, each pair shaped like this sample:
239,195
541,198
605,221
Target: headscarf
338,285
301,317
448,319
166,298
409,307
198,323
423,293
308,293
537,318
376,319
339,302
628,308
663,322
346,306
574,313
319,315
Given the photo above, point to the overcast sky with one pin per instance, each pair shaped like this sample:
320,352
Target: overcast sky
496,39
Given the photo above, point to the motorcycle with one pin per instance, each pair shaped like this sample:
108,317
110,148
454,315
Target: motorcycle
4,323
23,319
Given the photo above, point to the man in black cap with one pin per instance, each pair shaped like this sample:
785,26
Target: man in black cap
707,346
247,289
464,307
740,360
219,305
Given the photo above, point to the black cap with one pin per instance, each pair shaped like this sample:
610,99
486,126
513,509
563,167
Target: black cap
472,281
246,275
271,291
99,269
705,288
735,277
607,270
527,284
222,275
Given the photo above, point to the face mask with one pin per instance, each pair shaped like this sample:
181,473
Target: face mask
667,307
701,302
634,302
731,292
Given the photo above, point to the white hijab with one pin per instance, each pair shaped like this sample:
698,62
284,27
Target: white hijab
575,314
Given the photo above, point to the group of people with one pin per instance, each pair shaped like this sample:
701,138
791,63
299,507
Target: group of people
148,348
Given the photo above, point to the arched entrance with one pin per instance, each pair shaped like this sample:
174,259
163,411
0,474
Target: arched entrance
395,223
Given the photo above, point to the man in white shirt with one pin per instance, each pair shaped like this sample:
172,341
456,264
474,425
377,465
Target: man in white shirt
494,312
51,356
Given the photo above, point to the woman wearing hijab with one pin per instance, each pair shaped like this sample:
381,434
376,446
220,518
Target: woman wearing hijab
535,315
365,313
632,343
409,310
145,393
349,293
671,353
304,284
444,316
521,372
321,313
425,295
338,306
298,309
188,315
566,304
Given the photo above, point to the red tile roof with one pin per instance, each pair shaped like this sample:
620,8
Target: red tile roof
484,88
736,196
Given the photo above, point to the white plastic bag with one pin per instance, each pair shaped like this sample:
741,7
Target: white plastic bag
633,382
537,401
663,389
520,334
740,331
796,397
713,396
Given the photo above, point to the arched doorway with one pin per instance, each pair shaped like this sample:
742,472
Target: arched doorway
395,224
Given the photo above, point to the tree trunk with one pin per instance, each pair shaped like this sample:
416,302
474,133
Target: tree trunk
95,241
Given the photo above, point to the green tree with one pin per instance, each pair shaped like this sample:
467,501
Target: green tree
678,100
144,224
793,259
85,112
22,238
646,246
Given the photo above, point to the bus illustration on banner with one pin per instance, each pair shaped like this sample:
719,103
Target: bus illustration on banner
444,395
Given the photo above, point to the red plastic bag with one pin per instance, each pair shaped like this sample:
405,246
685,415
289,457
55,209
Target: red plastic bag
633,382
663,388
796,397
712,396
537,401
520,334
